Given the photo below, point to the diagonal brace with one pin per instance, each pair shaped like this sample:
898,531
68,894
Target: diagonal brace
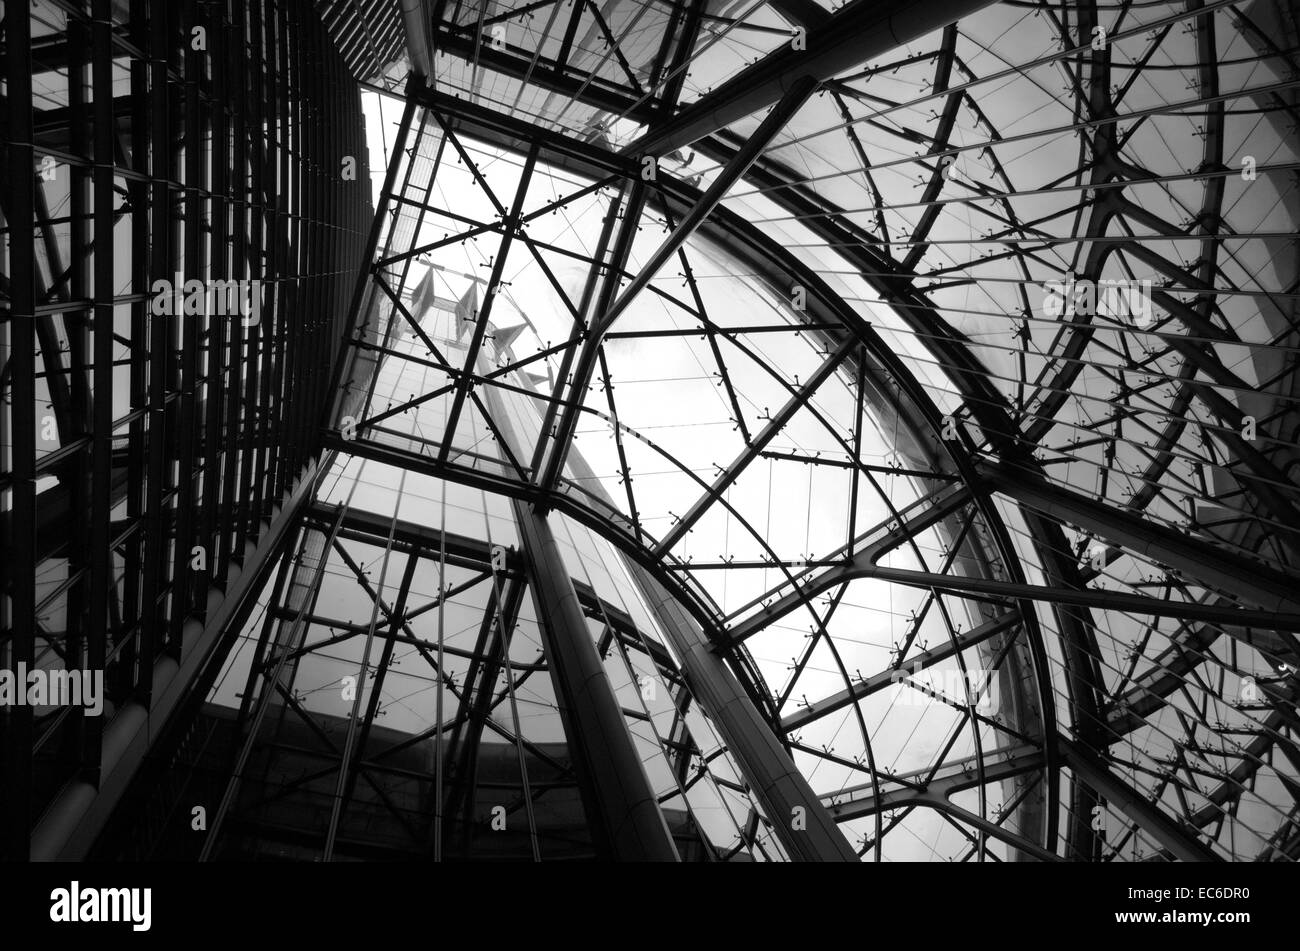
728,176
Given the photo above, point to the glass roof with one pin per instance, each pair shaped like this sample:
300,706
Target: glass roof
946,194
903,393
930,367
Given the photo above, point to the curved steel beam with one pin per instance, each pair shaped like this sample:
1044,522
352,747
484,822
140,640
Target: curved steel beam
790,103
859,31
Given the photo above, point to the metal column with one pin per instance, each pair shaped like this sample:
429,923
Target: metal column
622,809
767,767
778,784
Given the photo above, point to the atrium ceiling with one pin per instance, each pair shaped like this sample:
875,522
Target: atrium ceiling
890,406
820,388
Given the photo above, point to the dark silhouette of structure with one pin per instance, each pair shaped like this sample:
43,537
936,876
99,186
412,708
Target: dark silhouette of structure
652,429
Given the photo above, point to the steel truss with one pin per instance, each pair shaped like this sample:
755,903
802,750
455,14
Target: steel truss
291,760
1117,611
1185,584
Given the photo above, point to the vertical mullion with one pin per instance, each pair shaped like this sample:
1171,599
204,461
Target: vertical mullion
321,245
138,189
277,277
16,778
185,580
233,488
215,448
100,510
288,305
155,529
303,251
77,472
251,462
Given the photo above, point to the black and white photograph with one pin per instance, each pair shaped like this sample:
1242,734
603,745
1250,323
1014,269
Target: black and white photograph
640,432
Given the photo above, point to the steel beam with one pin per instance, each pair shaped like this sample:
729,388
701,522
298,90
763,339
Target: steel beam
754,449
861,30
885,678
1012,590
806,13
939,781
789,104
1197,559
415,19
868,547
778,785
1135,804
932,788
622,810
510,225
776,782
16,722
